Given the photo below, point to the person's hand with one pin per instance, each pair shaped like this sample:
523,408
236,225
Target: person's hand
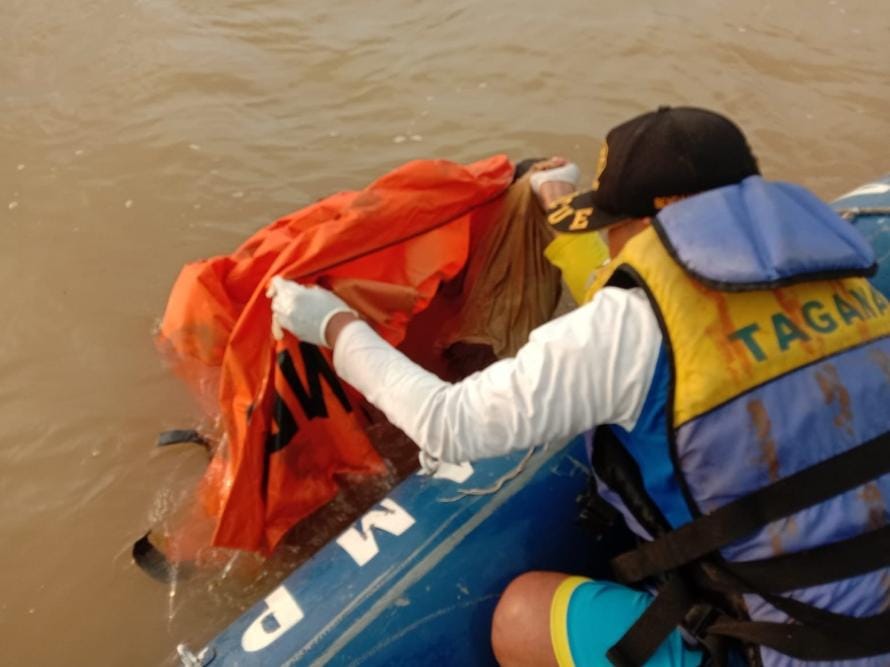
303,311
552,179
544,164
555,169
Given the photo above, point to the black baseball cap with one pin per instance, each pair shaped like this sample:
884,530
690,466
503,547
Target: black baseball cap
655,159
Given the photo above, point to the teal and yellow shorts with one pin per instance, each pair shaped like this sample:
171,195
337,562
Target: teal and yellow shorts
587,617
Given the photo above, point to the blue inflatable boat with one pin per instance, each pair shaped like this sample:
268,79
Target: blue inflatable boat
868,208
415,579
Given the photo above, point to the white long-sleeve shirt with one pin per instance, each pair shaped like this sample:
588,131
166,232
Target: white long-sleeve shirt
591,366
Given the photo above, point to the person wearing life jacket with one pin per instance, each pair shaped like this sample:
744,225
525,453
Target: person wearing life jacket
733,364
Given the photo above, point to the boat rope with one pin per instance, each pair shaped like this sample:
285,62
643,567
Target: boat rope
499,482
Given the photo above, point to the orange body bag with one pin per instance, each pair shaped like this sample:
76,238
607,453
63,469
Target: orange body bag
289,425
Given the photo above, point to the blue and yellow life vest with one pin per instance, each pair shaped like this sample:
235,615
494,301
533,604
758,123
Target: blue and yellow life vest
761,461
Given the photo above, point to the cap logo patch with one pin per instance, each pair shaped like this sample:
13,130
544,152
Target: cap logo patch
569,213
601,165
580,220
560,209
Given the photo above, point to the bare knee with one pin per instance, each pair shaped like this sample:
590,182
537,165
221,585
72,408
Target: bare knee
510,615
513,607
520,628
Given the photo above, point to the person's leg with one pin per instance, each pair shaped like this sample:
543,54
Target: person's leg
548,618
520,629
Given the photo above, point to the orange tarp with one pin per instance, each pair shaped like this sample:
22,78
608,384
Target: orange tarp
289,424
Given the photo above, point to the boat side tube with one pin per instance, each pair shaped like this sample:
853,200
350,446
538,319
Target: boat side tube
868,208
416,579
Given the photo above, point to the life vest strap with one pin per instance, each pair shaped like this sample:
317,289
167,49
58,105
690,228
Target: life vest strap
752,512
819,634
595,512
155,564
663,614
180,436
844,559
618,470
859,638
869,632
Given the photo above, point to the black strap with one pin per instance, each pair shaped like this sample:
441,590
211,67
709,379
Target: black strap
151,561
618,470
594,512
180,436
803,569
803,642
650,630
867,634
870,632
825,636
752,512
674,605
155,564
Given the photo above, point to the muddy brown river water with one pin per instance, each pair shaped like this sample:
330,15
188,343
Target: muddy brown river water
137,135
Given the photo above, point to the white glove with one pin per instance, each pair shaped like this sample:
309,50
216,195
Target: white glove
567,173
304,311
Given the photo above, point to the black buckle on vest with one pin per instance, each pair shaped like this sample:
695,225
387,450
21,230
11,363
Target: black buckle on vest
699,619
